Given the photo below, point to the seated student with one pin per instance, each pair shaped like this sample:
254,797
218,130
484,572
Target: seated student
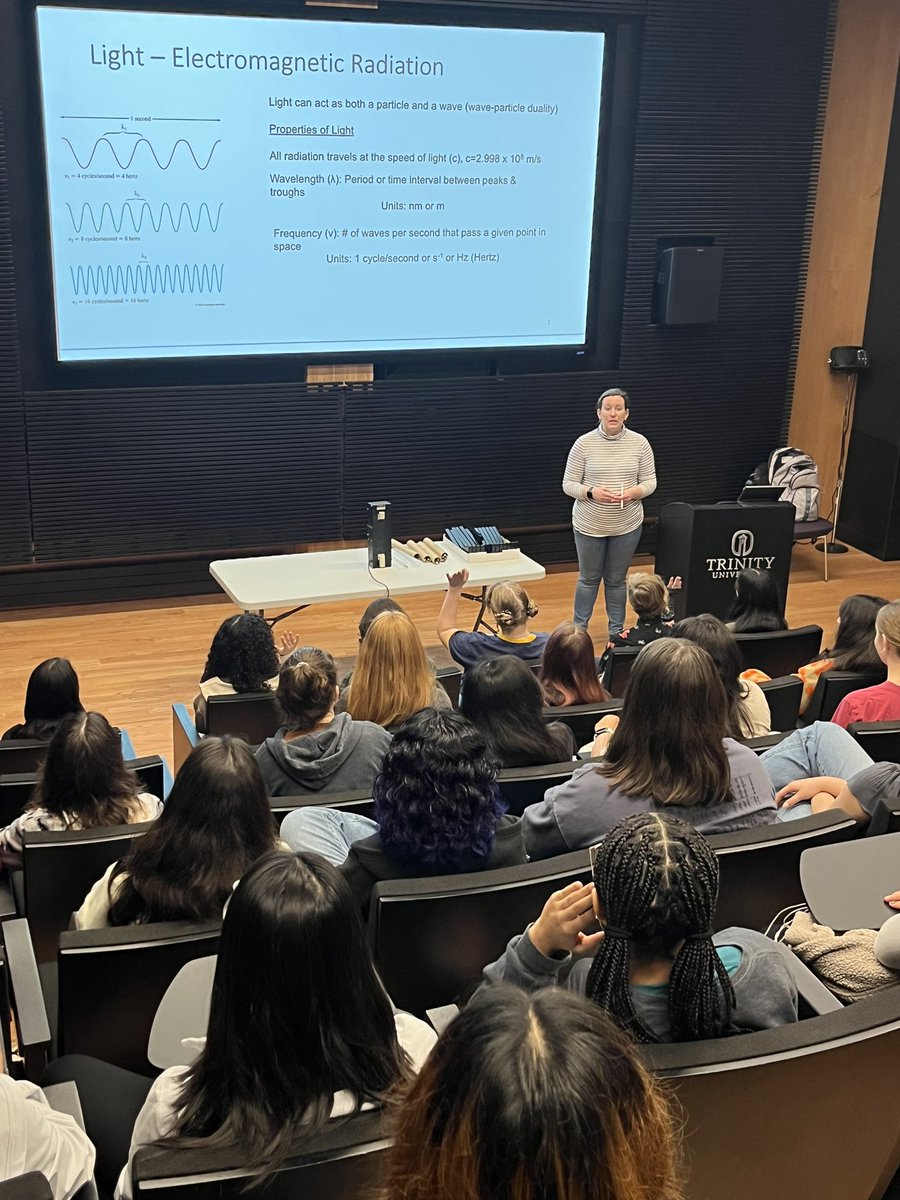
437,811
393,677
243,657
52,693
502,698
856,790
372,610
649,597
748,710
316,750
35,1137
881,702
757,606
658,969
670,749
510,607
568,673
82,784
533,1097
217,822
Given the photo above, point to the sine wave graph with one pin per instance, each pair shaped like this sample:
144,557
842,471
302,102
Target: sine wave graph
162,163
153,279
135,212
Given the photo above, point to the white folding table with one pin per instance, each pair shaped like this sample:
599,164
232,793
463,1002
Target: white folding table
295,581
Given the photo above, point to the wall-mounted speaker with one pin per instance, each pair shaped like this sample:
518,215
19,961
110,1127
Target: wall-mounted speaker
848,359
688,282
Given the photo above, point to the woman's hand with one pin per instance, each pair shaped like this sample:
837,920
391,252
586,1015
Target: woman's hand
286,644
605,495
561,925
893,899
806,790
457,580
603,731
674,584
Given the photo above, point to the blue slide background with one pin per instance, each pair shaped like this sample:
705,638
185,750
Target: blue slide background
165,229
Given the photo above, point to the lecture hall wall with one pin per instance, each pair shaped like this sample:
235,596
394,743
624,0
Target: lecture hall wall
112,494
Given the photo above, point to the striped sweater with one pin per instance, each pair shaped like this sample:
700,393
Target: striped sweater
619,462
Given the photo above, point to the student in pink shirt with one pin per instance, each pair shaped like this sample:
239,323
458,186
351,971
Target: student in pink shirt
881,702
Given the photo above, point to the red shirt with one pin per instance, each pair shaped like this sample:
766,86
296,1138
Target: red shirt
878,703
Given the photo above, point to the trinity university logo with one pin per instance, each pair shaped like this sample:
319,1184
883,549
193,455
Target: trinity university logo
742,543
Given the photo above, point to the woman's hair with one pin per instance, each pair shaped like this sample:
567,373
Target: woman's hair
375,609
216,823
647,594
306,687
437,803
392,677
84,778
297,1014
243,654
887,623
502,697
854,639
52,693
510,604
657,880
757,606
613,392
668,743
568,672
533,1097
718,641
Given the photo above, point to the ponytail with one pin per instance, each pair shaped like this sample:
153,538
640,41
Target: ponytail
306,687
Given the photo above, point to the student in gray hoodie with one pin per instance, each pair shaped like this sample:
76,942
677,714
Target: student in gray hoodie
316,751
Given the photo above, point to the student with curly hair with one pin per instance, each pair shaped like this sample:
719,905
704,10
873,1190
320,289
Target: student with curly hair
437,811
502,698
217,822
509,605
568,673
658,968
243,658
52,694
533,1097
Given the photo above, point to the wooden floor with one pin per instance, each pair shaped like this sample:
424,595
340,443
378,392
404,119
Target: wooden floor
134,659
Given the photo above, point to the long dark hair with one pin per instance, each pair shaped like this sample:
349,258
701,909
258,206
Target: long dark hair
216,823
52,693
668,743
503,698
84,779
436,798
854,637
243,654
297,1014
533,1097
757,605
718,641
568,672
658,882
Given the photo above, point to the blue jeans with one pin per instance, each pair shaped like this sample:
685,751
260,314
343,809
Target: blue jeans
820,749
606,558
326,831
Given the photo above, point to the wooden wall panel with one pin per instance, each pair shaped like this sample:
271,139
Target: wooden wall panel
857,124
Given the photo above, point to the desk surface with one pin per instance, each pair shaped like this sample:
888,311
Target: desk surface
286,580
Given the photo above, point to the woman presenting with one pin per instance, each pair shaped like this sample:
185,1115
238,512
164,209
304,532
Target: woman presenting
609,471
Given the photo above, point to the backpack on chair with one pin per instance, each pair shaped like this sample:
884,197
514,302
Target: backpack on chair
798,474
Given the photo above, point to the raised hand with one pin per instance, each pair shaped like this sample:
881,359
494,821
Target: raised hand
563,920
458,579
287,644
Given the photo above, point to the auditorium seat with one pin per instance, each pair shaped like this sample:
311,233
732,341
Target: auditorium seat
521,786
832,687
581,718
782,652
18,755
618,668
783,697
450,678
345,1159
359,801
879,739
252,716
31,1186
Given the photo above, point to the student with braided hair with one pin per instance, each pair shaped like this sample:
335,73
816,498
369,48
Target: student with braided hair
658,968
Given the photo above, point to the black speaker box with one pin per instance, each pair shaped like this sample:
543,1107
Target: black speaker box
688,282
848,359
378,533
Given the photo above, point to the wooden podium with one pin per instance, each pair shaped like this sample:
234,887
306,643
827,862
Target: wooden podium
709,544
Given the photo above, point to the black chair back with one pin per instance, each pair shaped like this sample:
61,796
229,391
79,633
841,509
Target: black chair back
521,786
59,870
111,982
783,697
32,1186
879,739
618,668
759,868
832,687
18,755
252,716
431,938
581,718
150,773
780,653
360,802
345,1159
450,678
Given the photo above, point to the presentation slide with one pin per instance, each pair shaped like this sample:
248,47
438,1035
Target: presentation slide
235,185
